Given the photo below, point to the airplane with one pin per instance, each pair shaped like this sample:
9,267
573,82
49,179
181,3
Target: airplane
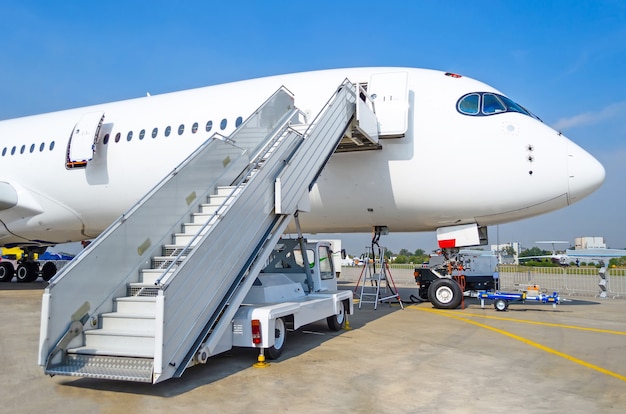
554,257
574,255
66,175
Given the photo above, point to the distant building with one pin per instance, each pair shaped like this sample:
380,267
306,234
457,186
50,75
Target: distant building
582,243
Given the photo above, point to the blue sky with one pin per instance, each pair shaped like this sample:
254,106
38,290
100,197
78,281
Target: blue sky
564,60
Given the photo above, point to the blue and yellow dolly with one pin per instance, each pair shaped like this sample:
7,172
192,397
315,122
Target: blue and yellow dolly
502,299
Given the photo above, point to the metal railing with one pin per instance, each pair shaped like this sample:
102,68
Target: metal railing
567,281
583,281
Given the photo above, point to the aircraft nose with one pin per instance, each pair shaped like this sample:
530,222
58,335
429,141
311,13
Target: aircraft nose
586,174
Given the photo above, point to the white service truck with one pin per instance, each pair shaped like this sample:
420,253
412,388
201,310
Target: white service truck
294,289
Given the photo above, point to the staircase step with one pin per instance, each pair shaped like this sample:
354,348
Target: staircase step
219,199
136,304
173,250
142,290
202,218
227,190
116,321
133,343
105,367
184,239
162,262
150,276
195,228
210,208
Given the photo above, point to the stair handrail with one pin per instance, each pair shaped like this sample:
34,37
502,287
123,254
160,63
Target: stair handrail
166,275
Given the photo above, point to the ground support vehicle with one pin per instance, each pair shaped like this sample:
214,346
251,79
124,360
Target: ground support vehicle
286,296
448,277
502,299
28,270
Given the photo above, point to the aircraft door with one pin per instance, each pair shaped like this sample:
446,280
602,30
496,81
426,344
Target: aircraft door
390,94
82,144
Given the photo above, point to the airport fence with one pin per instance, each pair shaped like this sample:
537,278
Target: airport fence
402,274
581,281
569,281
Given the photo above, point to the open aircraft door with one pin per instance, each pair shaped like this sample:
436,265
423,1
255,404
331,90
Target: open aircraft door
390,94
82,145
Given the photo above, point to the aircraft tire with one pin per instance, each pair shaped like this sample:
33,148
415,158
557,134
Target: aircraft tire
445,293
26,272
48,270
6,272
336,322
280,332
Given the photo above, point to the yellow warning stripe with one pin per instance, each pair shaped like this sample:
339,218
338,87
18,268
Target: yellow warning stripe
526,341
557,325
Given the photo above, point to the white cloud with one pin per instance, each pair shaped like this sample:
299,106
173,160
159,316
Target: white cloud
589,118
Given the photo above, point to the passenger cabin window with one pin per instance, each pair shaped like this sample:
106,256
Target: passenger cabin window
181,129
223,124
194,128
488,103
155,131
142,134
209,126
238,122
168,130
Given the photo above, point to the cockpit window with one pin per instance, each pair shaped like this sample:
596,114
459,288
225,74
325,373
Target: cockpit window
469,104
512,106
489,104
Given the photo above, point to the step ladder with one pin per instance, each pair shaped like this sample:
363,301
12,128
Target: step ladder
166,279
378,286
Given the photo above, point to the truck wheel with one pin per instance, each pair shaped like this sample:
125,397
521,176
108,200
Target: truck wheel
501,305
445,294
6,272
280,337
48,271
336,322
26,272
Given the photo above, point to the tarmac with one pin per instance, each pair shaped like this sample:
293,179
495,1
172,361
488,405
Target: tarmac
532,358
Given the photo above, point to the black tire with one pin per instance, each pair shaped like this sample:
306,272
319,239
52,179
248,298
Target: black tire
6,272
445,293
280,339
338,321
48,270
27,272
501,305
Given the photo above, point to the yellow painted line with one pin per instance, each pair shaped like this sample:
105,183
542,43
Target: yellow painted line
557,325
526,341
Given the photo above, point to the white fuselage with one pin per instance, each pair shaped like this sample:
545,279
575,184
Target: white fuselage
518,167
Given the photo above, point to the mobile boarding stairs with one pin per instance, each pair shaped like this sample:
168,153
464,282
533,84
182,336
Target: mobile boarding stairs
145,296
